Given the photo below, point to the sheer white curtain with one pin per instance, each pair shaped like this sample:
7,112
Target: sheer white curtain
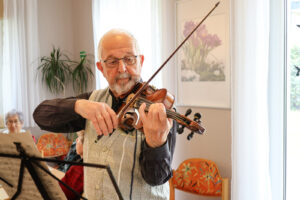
277,97
140,17
258,99
250,128
19,90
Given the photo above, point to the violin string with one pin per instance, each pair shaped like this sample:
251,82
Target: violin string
172,114
169,112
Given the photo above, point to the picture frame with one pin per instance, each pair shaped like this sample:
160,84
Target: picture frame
203,62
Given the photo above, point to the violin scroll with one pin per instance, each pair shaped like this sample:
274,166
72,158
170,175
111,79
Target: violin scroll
181,127
195,123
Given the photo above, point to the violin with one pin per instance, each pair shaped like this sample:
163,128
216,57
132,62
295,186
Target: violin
129,120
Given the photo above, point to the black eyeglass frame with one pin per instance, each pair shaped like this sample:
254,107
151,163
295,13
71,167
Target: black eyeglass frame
118,61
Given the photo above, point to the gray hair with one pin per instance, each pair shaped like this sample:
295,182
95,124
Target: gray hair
13,113
117,32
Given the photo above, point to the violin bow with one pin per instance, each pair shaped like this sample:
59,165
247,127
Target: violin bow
166,61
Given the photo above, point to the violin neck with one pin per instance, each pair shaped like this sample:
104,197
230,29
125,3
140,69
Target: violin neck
181,119
170,113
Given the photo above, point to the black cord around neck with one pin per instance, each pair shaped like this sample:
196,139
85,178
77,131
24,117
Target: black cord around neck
132,170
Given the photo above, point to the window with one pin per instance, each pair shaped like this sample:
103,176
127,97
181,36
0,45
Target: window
19,49
293,99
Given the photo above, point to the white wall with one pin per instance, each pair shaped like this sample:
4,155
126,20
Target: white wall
83,30
66,24
214,144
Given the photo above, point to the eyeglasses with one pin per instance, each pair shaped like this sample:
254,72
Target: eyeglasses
13,122
114,62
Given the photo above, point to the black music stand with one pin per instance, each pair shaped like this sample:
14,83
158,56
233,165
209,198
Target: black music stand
31,162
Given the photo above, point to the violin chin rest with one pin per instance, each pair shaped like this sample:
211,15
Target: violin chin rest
130,120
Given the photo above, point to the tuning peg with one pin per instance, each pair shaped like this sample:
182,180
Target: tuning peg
188,112
180,129
189,137
197,116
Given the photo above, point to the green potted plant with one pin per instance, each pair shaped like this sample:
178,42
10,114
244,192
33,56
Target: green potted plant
81,73
55,70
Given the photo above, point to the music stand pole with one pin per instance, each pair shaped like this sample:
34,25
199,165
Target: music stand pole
25,162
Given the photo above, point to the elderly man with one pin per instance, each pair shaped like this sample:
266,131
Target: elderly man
140,161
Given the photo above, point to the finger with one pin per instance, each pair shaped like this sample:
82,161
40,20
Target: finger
150,111
142,112
153,113
96,126
139,124
108,120
102,124
162,115
113,117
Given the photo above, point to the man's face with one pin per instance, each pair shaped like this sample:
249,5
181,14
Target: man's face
13,124
121,77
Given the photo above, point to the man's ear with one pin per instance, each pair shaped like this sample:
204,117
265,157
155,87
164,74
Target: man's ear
141,60
99,66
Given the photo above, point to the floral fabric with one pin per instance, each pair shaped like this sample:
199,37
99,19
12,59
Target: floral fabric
53,145
198,176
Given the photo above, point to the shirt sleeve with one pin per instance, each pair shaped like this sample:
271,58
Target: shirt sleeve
58,115
155,163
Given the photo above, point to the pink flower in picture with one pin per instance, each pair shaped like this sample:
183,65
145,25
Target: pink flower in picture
196,52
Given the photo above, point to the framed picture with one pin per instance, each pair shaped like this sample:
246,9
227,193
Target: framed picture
203,62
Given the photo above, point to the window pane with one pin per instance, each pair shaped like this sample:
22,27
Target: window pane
293,100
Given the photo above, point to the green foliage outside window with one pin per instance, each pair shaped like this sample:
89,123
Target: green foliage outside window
295,80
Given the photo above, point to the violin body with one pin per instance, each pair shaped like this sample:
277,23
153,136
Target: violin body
129,119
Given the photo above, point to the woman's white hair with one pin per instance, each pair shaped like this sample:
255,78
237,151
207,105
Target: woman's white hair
116,32
13,113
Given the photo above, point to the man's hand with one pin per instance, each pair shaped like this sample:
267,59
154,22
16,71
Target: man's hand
101,115
156,125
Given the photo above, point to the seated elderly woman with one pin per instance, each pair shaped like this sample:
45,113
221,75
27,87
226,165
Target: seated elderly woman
14,121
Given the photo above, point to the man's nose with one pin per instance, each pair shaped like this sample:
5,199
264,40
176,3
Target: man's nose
122,66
